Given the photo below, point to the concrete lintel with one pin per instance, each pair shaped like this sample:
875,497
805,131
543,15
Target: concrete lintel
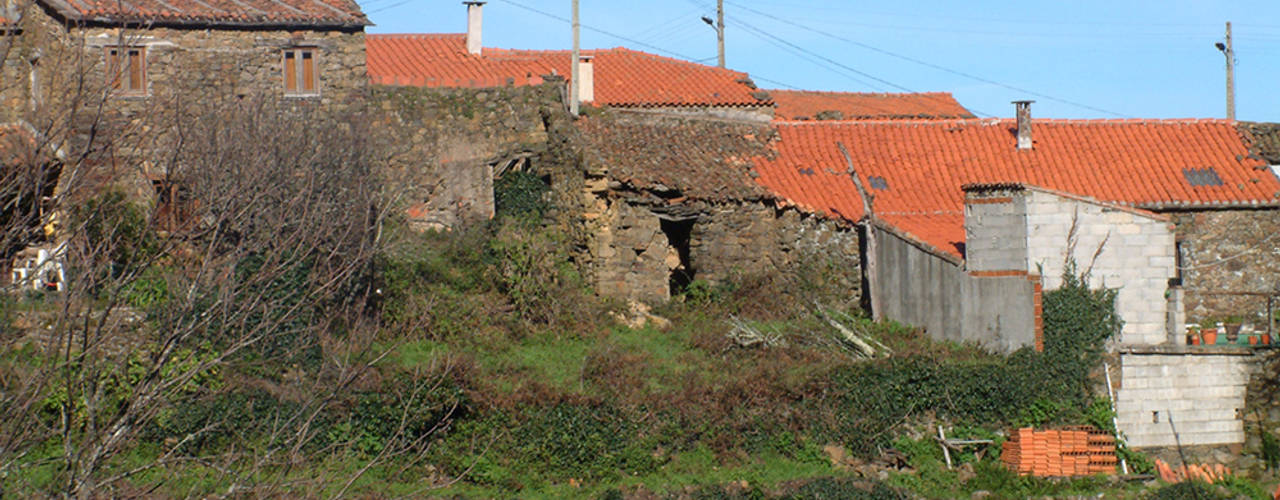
1185,350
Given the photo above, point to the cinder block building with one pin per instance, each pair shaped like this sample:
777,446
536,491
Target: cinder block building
967,222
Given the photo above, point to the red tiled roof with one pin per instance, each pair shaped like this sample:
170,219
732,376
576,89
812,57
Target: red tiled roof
923,164
806,105
623,77
689,159
248,13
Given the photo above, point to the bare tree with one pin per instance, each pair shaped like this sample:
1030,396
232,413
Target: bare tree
251,266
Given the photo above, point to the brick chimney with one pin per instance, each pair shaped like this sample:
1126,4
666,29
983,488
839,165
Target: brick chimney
586,79
1024,123
475,24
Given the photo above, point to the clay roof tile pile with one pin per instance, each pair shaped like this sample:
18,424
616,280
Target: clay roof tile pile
622,77
701,160
247,13
915,170
811,105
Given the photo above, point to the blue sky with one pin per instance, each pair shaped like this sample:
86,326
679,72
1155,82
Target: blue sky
1084,58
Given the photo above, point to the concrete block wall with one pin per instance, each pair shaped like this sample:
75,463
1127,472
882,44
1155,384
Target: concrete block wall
1126,249
1204,393
1035,231
995,226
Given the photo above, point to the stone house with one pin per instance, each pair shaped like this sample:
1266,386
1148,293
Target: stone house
970,220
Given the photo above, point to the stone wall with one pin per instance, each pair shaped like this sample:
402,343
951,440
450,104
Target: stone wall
1229,251
450,141
191,62
636,250
1203,392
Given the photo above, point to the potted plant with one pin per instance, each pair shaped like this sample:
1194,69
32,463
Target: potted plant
1209,336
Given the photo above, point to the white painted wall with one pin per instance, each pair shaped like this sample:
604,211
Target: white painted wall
1201,391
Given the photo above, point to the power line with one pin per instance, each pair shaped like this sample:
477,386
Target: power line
623,38
816,55
931,65
803,52
597,30
778,43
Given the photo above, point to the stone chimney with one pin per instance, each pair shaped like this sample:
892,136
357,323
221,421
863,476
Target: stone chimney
475,25
1024,124
586,79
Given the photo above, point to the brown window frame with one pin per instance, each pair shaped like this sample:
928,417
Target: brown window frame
131,81
303,79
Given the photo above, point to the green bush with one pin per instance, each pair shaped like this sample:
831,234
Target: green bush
407,409
520,195
213,422
117,231
1187,490
833,489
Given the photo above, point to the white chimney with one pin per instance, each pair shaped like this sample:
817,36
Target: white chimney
586,79
475,25
1024,123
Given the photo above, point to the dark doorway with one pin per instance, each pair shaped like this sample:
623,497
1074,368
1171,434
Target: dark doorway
678,233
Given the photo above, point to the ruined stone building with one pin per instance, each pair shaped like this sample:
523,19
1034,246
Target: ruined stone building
667,201
970,220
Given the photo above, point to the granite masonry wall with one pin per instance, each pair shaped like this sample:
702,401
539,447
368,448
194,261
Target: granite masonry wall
1224,253
635,250
452,142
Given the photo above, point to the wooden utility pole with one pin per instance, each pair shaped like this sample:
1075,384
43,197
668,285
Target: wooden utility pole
1231,76
870,265
573,65
720,31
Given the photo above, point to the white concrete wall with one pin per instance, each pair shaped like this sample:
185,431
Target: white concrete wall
1201,391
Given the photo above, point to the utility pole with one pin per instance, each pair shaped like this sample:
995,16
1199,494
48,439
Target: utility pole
1228,51
720,30
573,65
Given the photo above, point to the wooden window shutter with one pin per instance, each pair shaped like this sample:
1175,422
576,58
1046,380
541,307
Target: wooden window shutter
290,71
113,67
308,71
137,70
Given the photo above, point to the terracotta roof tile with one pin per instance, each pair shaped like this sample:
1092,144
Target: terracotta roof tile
248,13
623,77
700,160
1144,164
810,105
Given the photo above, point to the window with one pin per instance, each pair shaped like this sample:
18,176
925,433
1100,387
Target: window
300,74
127,70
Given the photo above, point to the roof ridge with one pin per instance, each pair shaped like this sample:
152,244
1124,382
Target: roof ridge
997,120
841,92
414,35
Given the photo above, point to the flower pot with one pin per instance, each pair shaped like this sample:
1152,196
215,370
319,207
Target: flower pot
1209,336
1193,340
1266,339
1253,339
1233,332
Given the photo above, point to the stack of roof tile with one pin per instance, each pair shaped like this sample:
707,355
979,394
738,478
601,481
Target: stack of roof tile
1075,451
